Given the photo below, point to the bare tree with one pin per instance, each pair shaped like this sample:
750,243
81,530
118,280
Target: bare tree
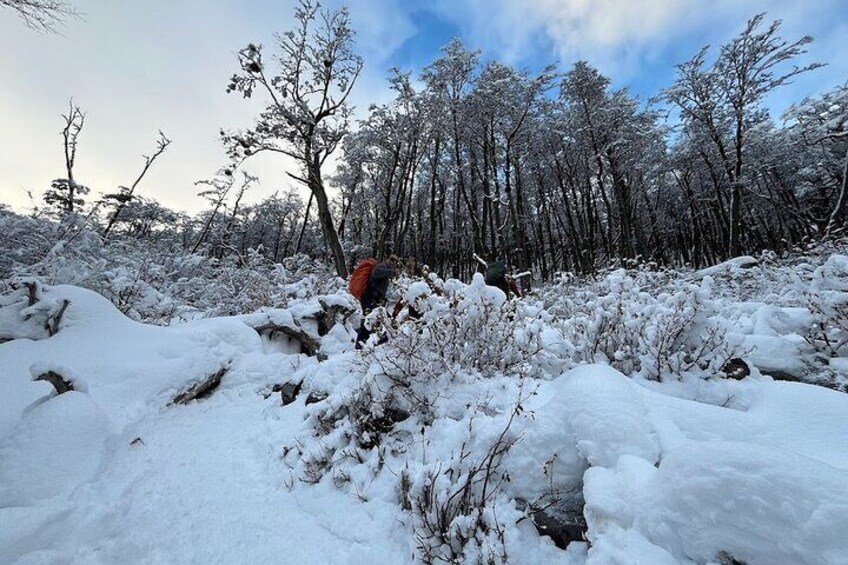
308,112
125,194
65,193
216,194
41,15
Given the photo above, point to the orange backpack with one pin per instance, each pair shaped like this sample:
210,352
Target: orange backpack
359,278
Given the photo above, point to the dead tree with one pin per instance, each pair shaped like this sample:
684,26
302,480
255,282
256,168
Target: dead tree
125,194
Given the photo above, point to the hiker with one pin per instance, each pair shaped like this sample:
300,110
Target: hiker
496,276
370,284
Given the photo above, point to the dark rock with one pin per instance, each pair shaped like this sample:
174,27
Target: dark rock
562,519
392,416
779,375
736,369
288,392
748,264
724,558
59,382
372,429
315,396
329,316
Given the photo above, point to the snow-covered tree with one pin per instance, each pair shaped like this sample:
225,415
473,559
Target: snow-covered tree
307,94
725,99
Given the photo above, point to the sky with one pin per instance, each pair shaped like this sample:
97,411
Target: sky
139,67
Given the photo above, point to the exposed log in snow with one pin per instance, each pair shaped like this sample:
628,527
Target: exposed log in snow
52,323
200,389
58,381
30,311
33,291
329,315
308,344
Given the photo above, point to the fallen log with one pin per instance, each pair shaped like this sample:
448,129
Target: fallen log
329,314
52,323
201,389
59,382
308,344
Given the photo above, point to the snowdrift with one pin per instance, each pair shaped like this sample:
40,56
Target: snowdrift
469,436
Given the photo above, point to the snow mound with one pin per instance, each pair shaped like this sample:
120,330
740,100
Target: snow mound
591,415
607,415
743,262
126,367
757,504
34,460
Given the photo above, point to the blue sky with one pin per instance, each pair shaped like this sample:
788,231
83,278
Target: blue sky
137,67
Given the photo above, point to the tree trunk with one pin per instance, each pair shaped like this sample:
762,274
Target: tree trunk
305,222
838,215
316,185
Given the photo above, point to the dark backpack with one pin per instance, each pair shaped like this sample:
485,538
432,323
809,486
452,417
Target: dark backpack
496,273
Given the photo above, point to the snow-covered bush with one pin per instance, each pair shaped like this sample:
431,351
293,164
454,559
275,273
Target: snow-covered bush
451,336
452,327
25,241
453,505
26,312
157,280
663,334
827,333
459,354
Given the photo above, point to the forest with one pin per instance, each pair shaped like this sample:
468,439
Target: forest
552,171
333,374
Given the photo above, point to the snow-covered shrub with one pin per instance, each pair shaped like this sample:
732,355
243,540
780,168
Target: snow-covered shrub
457,326
26,312
452,507
460,354
157,280
25,241
451,492
827,335
658,335
452,334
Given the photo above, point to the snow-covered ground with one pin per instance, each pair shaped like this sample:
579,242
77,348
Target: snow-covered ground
451,441
110,473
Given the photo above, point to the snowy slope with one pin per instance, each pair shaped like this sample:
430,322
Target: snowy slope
113,472
114,475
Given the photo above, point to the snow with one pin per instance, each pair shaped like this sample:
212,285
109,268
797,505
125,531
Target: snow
743,262
34,463
178,484
765,485
608,419
126,367
760,505
679,469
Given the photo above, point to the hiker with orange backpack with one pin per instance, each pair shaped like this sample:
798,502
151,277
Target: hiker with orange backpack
370,284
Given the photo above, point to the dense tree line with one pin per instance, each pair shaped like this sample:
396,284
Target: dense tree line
557,171
552,171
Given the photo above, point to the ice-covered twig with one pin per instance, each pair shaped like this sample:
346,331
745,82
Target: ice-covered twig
479,260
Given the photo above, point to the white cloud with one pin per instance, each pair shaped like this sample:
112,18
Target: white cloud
140,66
619,36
